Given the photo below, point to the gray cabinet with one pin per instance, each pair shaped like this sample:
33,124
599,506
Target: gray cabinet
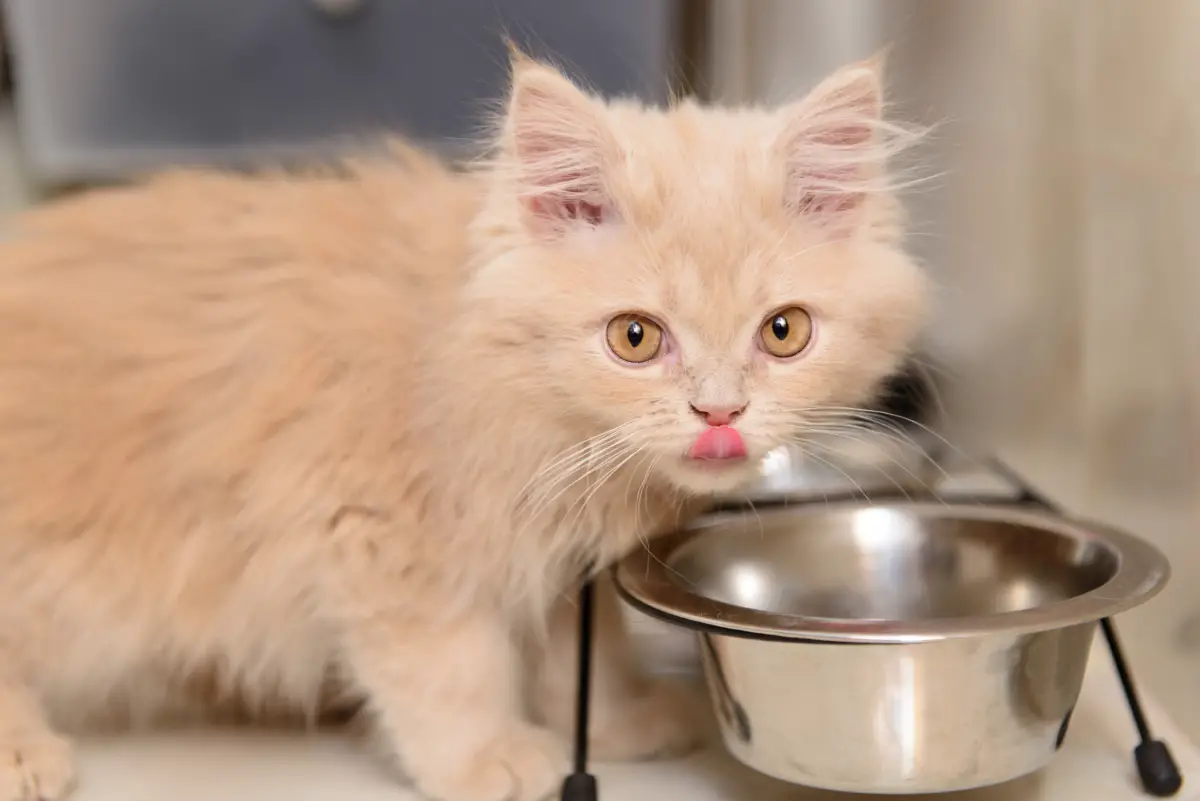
106,87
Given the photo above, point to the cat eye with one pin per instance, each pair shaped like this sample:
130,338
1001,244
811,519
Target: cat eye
786,332
633,338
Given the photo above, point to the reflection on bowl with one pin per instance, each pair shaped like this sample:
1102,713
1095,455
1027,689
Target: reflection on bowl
882,564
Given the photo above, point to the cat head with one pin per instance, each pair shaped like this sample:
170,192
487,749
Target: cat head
694,286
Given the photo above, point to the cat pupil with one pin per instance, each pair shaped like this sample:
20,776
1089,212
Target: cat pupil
635,333
779,327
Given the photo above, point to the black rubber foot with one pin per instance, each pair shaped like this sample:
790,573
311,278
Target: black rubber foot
1156,767
579,787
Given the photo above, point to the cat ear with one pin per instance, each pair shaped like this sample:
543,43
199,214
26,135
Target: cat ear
559,147
832,150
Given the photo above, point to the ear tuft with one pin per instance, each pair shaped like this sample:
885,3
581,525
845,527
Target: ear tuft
559,147
835,147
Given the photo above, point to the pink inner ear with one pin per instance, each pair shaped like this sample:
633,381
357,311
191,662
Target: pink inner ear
829,179
550,207
590,213
560,169
849,135
816,203
561,185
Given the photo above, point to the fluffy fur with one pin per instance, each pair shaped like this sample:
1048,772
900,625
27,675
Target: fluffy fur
281,443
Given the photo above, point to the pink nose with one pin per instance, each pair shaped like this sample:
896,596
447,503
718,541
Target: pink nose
716,415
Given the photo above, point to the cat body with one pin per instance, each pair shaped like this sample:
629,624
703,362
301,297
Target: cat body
276,445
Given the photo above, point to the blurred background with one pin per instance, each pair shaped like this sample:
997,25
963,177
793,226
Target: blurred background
1062,220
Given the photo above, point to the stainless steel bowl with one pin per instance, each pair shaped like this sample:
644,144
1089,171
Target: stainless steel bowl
900,648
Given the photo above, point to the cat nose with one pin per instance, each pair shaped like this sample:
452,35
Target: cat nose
717,415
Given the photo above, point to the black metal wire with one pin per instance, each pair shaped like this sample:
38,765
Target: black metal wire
584,688
581,785
1131,694
1157,769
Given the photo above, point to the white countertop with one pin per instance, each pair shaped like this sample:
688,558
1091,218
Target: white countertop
1095,764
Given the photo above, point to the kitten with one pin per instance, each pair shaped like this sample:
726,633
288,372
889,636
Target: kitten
286,442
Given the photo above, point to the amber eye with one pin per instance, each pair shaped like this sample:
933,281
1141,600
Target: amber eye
633,338
785,333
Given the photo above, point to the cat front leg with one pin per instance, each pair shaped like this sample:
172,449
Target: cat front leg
633,716
35,762
447,698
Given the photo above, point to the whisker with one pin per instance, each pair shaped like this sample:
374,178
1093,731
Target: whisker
573,451
637,501
891,479
877,414
594,464
893,435
598,449
580,505
858,487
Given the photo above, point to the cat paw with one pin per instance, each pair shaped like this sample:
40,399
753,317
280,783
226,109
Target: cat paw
666,721
36,770
524,763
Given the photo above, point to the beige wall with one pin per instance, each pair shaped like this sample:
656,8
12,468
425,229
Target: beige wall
1065,233
1065,228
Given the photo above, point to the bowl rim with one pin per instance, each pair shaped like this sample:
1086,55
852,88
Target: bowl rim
643,579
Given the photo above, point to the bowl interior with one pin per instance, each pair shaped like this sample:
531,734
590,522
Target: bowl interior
887,564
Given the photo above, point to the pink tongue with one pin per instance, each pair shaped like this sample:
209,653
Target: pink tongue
719,442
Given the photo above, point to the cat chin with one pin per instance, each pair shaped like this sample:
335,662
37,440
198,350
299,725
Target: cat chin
709,477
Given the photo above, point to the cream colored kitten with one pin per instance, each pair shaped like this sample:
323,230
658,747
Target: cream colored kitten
278,443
